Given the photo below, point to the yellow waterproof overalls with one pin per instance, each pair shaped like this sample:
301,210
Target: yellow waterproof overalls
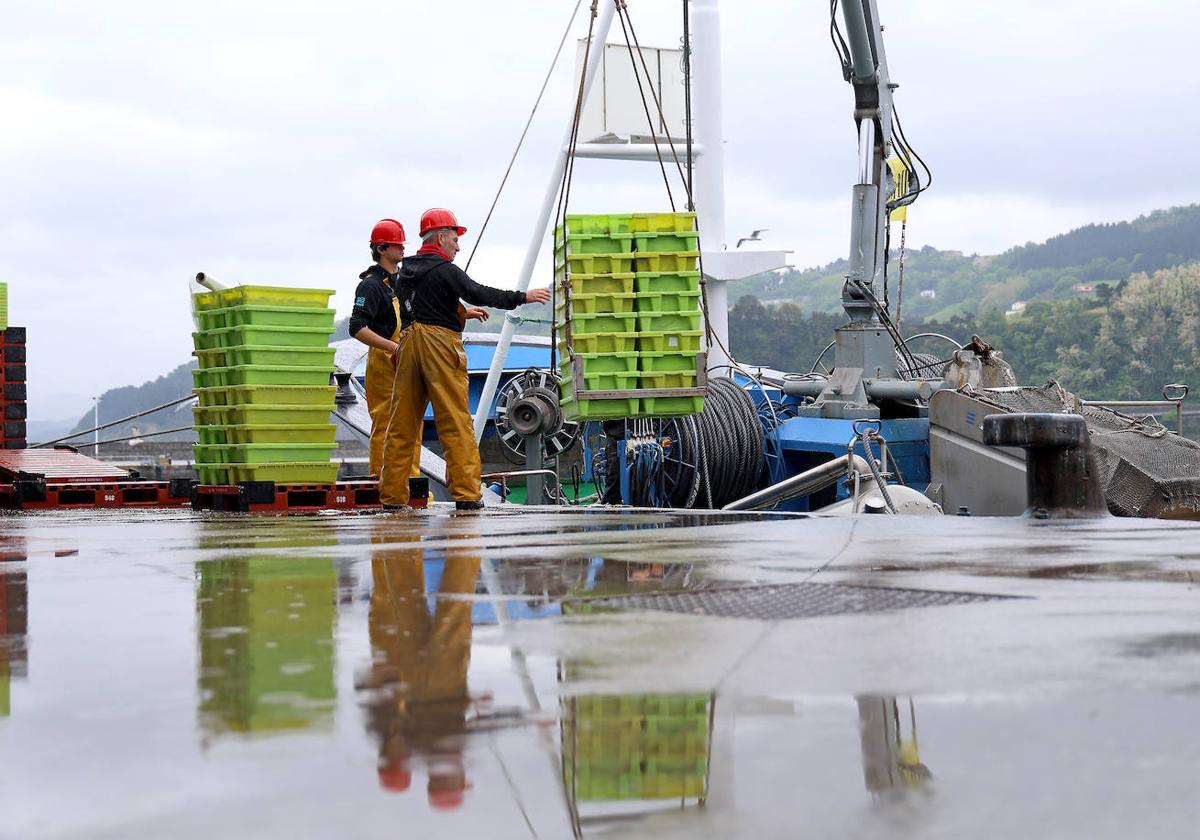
378,385
419,662
431,366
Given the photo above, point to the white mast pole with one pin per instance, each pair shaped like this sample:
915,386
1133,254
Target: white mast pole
709,172
596,51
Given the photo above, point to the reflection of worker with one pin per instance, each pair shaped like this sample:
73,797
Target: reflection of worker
419,670
431,363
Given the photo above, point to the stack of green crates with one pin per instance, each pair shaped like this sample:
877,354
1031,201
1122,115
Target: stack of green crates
636,747
263,385
629,294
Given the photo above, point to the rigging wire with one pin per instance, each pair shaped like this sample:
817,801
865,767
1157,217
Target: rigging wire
687,96
112,423
524,133
662,117
621,13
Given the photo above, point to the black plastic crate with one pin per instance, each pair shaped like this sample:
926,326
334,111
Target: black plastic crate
14,443
14,335
15,411
15,391
14,429
14,353
14,372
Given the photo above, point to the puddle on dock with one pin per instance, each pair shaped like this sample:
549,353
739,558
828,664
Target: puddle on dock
445,676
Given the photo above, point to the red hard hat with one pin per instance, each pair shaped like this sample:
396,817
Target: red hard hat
396,779
440,217
387,232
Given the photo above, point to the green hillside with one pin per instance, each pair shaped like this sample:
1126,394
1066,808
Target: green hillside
957,284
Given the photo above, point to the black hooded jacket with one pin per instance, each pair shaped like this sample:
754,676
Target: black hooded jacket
430,286
373,303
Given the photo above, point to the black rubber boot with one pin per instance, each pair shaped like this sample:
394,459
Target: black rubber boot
468,505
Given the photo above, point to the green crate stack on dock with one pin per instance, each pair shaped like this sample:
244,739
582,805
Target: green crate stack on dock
636,747
628,312
263,385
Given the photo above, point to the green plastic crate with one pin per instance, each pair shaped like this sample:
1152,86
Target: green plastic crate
597,263
260,335
599,284
204,301
602,363
274,316
661,243
206,341
274,296
600,342
662,222
284,473
669,321
211,319
309,433
272,375
576,410
670,406
214,358
207,378
667,281
265,453
666,362
668,301
211,435
213,473
321,357
673,262
602,322
301,416
243,395
596,304
596,223
679,341
594,243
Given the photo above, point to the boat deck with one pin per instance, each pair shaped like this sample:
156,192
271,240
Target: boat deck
596,672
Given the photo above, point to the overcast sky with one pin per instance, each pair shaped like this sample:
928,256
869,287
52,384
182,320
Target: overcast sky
259,141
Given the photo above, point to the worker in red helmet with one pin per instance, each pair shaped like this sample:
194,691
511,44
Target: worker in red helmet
375,321
415,691
431,363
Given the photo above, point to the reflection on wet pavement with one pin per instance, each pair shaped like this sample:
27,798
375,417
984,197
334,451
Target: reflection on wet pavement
450,676
266,644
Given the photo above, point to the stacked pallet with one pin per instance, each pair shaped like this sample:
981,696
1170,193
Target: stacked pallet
628,314
263,386
636,747
12,399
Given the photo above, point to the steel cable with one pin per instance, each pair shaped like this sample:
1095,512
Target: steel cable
731,438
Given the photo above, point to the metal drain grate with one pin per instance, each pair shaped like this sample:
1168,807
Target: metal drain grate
791,600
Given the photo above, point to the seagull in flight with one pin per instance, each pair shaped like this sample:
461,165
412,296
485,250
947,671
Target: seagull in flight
751,238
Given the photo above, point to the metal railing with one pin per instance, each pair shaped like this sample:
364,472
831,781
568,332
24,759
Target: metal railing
1173,397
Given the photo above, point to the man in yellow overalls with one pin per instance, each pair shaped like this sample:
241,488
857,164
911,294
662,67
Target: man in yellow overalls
431,363
375,321
416,694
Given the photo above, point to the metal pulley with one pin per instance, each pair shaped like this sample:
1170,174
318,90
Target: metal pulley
528,407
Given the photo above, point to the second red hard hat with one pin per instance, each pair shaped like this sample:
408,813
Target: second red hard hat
440,217
387,232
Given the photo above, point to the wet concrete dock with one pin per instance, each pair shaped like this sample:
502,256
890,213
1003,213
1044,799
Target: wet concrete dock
597,673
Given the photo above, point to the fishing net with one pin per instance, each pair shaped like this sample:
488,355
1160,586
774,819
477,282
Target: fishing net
1147,470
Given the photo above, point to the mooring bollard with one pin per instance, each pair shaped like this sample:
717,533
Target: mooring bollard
1060,471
